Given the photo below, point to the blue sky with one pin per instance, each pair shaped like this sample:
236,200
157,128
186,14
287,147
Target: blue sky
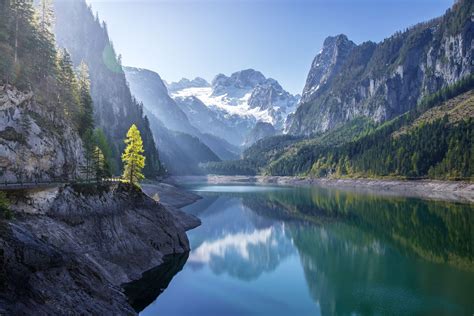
184,38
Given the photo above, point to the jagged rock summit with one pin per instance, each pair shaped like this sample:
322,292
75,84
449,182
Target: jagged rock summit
382,80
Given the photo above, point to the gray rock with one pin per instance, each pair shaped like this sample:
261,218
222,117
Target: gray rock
73,257
35,142
383,80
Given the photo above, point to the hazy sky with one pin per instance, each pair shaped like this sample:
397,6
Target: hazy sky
184,38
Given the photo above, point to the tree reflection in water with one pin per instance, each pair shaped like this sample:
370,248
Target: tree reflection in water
324,251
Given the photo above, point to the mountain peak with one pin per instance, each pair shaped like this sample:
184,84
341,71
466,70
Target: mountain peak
239,83
327,63
336,39
185,83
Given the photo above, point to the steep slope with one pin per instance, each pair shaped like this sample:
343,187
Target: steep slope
149,88
261,130
180,153
434,140
213,121
239,101
74,247
381,81
115,110
435,143
34,145
40,116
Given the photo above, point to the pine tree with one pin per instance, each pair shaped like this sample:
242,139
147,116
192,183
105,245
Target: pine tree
99,165
101,140
22,40
86,121
46,50
132,157
87,169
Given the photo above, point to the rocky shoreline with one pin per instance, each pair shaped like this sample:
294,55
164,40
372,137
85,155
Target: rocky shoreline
69,250
455,191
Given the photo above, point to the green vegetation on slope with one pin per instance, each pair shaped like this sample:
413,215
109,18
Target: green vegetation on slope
30,62
115,109
434,140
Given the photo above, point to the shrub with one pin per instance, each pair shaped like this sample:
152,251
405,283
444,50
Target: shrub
5,206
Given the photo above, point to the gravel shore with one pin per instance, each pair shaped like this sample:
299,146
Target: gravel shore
455,191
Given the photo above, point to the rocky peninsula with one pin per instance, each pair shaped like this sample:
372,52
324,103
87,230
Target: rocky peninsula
71,248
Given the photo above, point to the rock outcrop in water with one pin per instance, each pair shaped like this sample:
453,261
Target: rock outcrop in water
68,250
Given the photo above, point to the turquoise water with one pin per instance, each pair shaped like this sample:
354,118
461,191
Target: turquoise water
265,250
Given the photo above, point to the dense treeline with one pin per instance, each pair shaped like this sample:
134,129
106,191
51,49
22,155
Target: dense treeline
29,61
115,109
255,157
445,94
62,83
436,149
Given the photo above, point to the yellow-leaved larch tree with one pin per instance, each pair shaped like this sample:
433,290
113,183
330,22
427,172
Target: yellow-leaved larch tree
132,157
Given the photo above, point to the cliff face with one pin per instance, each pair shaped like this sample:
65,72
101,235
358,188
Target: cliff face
36,143
260,130
148,87
71,249
115,110
179,116
383,80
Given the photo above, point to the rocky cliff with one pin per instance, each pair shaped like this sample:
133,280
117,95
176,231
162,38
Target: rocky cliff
68,250
36,141
260,130
383,80
148,87
234,104
115,109
163,111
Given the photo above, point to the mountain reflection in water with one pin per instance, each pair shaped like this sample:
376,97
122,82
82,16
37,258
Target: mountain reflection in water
278,251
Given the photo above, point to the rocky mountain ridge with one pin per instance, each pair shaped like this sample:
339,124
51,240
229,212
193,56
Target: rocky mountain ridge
164,112
240,101
383,80
184,83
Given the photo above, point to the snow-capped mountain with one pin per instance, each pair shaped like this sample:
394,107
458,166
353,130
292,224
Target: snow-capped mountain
149,89
215,121
184,83
239,101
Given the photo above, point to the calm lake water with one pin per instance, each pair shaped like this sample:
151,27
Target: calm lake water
265,250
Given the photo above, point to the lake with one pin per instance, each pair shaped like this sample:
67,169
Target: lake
264,250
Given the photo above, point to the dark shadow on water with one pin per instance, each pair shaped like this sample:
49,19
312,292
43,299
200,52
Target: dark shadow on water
146,290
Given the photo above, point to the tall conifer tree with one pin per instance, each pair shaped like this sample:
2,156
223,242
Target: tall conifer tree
132,157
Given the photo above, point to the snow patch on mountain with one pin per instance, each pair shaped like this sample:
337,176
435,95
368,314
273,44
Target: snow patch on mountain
230,105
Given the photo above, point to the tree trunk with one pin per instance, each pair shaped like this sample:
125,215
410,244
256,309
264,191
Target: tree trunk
132,168
16,37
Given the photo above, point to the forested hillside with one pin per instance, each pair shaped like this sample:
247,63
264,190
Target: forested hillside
180,153
115,109
383,80
44,102
399,108
434,140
